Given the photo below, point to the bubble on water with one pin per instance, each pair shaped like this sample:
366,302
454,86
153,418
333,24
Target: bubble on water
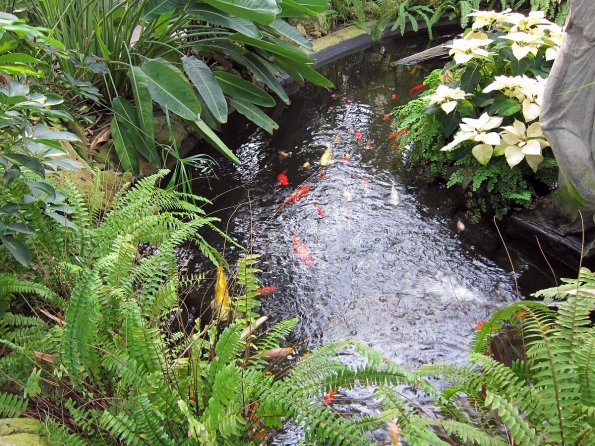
352,306
394,328
352,332
383,299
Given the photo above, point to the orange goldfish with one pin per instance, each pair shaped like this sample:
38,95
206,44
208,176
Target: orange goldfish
415,88
266,290
328,398
302,251
396,134
300,192
358,135
282,178
393,96
386,117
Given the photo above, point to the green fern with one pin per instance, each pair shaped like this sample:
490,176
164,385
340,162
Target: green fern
11,405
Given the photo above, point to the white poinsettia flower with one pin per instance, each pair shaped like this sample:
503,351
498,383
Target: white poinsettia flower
552,39
528,91
523,43
487,18
521,142
447,97
463,50
520,22
477,130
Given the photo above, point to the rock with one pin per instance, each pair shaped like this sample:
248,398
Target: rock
22,432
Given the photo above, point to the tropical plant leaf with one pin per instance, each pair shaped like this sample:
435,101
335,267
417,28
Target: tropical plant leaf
238,88
170,89
220,18
125,135
215,141
286,30
291,53
264,72
207,87
144,114
17,249
254,114
259,11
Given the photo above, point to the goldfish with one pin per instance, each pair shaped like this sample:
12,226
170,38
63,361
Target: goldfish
386,117
460,225
282,178
282,154
396,134
300,192
322,176
347,195
337,138
302,251
394,196
328,398
348,101
307,165
266,290
393,96
368,145
415,88
479,325
220,303
319,210
358,135
325,159
345,157
365,182
334,96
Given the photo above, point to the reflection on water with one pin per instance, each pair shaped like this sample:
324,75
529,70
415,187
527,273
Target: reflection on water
401,277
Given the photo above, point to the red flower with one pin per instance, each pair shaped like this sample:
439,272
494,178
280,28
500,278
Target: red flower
479,325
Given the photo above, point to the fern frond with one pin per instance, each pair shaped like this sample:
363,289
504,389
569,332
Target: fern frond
11,406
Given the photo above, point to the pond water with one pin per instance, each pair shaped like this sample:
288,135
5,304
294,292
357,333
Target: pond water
409,278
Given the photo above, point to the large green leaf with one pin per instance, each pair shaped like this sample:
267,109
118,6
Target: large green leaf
239,88
124,134
207,86
144,115
254,114
170,89
302,8
215,141
278,48
286,30
19,250
263,71
154,8
259,11
220,18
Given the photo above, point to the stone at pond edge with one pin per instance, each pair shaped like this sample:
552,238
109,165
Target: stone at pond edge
558,239
21,432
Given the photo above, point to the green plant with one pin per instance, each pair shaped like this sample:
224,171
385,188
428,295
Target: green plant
497,75
190,57
30,149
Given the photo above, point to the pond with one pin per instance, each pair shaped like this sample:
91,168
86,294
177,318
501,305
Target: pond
391,260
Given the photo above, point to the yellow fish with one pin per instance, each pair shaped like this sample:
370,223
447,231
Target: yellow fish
325,159
221,302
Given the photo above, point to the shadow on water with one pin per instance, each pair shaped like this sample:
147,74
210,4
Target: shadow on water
401,277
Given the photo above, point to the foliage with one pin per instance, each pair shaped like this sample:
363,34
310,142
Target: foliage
29,147
491,93
402,13
189,57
